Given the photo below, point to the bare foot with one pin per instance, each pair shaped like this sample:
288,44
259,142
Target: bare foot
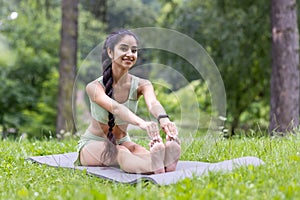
157,150
172,154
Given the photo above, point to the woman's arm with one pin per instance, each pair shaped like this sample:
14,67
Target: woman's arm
155,107
97,94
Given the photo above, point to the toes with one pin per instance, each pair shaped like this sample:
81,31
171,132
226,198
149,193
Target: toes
176,139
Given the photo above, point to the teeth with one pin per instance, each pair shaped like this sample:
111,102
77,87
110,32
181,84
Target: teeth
126,58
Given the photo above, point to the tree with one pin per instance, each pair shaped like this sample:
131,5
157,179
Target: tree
67,67
97,7
130,13
284,115
28,72
236,36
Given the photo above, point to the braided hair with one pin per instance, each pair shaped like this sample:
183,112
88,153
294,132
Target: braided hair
110,43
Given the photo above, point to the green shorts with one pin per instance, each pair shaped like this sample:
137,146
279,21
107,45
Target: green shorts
90,137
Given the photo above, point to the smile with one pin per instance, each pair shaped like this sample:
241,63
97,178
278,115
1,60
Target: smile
126,58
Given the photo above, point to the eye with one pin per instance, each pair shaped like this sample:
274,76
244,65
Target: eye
133,50
124,49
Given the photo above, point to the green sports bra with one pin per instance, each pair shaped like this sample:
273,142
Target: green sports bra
101,115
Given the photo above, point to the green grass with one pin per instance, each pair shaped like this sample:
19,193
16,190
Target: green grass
279,178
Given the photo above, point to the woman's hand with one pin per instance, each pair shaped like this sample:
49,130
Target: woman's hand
152,130
169,128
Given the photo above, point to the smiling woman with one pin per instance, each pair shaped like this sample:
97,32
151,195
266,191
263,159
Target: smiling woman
113,100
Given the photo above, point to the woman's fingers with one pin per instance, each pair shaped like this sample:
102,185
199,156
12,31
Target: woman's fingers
153,130
170,129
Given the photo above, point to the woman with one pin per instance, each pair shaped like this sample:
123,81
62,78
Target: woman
113,99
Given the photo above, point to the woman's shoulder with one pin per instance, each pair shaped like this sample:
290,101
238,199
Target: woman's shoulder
95,81
145,82
144,85
141,81
93,85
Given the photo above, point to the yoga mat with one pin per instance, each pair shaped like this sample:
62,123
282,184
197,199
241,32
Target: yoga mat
184,169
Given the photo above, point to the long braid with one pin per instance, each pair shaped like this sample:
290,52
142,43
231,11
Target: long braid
110,151
108,81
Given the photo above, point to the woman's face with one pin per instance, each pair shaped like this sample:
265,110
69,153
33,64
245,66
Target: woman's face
125,52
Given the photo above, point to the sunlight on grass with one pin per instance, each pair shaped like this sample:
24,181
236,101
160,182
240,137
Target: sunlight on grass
277,179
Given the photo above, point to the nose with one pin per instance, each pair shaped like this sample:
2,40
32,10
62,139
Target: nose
129,53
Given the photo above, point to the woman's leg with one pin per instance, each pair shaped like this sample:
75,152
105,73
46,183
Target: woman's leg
90,154
152,161
138,161
133,163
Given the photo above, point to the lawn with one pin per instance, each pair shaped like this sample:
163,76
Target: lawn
279,178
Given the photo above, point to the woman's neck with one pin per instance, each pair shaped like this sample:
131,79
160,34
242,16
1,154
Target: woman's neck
119,75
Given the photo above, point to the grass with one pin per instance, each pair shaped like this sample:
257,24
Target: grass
277,179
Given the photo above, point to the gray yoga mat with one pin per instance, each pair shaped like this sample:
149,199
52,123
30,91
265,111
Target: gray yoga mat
185,169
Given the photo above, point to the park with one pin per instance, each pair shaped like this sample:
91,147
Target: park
225,72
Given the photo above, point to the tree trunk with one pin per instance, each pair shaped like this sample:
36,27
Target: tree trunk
67,68
4,129
284,115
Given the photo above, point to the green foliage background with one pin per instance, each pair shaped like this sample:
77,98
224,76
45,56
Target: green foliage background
235,34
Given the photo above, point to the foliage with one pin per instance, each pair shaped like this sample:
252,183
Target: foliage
36,60
41,120
277,179
11,95
237,36
91,33
29,63
98,8
130,14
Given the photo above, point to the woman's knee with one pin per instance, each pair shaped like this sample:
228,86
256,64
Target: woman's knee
91,154
136,149
89,157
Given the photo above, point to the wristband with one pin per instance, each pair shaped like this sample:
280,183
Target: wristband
162,116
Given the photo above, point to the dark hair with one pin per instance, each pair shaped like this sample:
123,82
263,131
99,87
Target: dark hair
110,43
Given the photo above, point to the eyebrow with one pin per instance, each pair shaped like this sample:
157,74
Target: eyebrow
125,45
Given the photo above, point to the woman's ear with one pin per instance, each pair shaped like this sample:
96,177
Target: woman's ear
109,52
